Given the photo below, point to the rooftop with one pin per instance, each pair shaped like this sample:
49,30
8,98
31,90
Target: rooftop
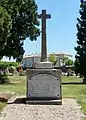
39,55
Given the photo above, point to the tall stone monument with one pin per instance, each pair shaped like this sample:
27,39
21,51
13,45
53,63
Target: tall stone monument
44,16
44,82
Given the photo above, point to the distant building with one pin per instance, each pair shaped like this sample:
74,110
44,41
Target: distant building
61,55
30,60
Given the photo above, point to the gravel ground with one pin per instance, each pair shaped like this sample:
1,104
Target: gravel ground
69,110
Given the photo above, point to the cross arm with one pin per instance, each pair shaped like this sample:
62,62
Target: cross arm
48,16
45,16
40,16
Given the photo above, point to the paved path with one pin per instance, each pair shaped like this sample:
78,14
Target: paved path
69,110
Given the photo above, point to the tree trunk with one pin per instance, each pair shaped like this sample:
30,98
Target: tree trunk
84,80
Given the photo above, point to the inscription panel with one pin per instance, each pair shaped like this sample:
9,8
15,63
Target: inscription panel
43,85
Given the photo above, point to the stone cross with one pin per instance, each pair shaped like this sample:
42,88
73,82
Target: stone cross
44,16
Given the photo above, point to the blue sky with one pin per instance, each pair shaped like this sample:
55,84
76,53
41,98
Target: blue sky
61,28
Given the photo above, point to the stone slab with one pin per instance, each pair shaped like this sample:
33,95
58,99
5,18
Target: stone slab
50,102
43,65
44,83
54,72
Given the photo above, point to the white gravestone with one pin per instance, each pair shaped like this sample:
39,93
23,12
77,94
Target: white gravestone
44,85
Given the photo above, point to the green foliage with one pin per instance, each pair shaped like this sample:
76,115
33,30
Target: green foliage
5,26
64,59
24,24
76,67
8,64
67,62
80,62
52,58
4,79
3,66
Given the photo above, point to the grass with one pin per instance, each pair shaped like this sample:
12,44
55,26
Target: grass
2,105
75,91
17,85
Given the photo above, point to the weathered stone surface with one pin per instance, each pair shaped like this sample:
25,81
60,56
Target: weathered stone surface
43,65
4,96
55,72
44,83
44,16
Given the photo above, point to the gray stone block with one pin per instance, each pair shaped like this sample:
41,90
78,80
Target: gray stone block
43,65
44,83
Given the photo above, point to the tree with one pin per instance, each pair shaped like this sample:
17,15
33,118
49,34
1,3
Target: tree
80,62
5,26
24,24
52,58
69,62
64,60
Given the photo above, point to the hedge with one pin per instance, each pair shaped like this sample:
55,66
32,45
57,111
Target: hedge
4,65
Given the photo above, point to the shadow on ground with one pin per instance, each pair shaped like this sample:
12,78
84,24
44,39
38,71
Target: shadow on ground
35,101
18,101
73,83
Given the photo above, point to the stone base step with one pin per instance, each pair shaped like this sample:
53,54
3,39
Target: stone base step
44,102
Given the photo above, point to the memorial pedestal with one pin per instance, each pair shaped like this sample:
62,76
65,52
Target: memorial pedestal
44,82
44,86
